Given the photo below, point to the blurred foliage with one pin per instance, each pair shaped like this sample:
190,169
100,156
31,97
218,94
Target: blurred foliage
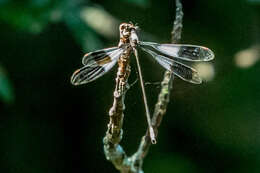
33,18
35,15
6,90
53,126
142,3
254,1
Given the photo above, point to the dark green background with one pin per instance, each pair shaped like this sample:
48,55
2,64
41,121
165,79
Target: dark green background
48,125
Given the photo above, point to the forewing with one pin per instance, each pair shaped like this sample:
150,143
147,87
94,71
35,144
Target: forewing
99,56
181,70
91,72
181,51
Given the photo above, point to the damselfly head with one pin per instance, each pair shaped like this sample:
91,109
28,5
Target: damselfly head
125,29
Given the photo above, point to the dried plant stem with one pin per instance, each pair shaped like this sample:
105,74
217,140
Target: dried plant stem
177,25
113,151
166,86
114,132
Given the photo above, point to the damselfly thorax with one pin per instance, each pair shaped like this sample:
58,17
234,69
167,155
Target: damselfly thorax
169,56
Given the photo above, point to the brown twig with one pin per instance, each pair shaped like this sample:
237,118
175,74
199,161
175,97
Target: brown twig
113,151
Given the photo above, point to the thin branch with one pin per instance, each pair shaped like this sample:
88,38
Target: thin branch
113,151
163,98
177,26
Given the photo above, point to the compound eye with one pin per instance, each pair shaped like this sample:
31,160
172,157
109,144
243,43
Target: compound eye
122,26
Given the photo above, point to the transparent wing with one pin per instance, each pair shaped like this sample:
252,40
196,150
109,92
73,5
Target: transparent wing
100,55
181,51
95,69
181,70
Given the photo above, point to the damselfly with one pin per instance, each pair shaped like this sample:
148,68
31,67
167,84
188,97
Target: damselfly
97,63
